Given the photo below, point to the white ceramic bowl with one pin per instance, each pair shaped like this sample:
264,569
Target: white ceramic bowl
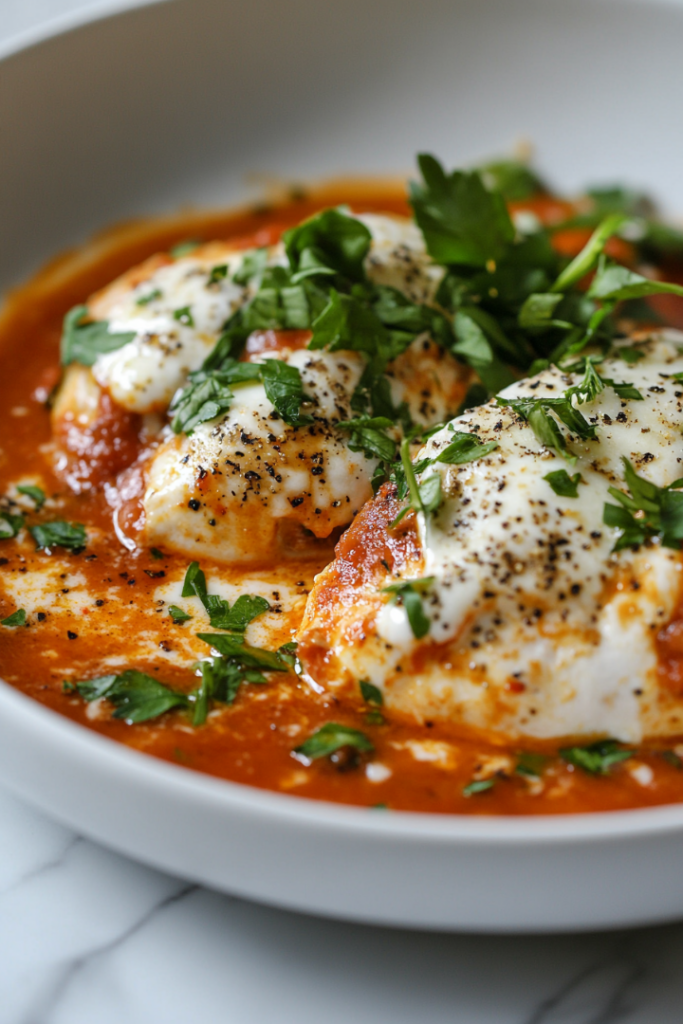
174,103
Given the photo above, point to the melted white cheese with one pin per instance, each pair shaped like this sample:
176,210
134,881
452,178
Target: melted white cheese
544,631
223,491
144,374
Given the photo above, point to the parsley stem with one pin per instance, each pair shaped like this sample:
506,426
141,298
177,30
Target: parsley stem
588,257
411,480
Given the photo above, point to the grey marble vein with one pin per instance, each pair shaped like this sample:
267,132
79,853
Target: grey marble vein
51,999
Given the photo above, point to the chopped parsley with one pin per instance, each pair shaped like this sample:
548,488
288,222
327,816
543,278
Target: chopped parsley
330,738
178,615
218,273
145,300
563,484
530,764
17,618
209,393
478,786
58,533
370,693
234,619
596,758
284,388
83,340
10,524
464,448
136,695
425,497
184,316
36,494
368,434
409,594
648,511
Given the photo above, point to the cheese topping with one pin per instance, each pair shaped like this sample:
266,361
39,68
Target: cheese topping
542,630
144,374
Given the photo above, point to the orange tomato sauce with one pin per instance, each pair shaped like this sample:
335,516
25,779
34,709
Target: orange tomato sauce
252,740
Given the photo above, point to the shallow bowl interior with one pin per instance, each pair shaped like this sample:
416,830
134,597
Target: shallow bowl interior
180,103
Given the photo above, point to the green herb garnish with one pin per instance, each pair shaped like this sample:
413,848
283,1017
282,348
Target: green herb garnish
178,615
330,738
36,494
10,524
17,618
478,786
84,340
59,534
596,758
136,695
409,594
563,484
648,511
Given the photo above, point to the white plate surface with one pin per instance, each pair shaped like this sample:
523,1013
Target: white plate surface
175,103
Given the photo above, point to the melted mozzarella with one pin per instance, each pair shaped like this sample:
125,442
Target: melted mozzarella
144,374
541,629
225,490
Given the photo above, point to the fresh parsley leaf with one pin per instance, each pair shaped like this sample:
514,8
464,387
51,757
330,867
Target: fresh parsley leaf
218,273
474,347
194,584
84,340
624,390
184,316
543,425
465,448
346,323
10,524
332,737
36,494
530,764
207,395
329,243
59,534
284,388
178,615
409,594
253,264
246,608
368,435
478,786
232,645
136,695
287,652
629,354
596,758
462,222
563,484
513,179
614,283
589,255
370,693
145,300
17,618
660,508
425,497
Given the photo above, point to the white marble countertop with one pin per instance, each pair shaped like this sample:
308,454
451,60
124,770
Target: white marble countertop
88,937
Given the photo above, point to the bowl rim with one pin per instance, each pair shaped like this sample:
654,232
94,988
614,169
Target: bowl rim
70,21
77,743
